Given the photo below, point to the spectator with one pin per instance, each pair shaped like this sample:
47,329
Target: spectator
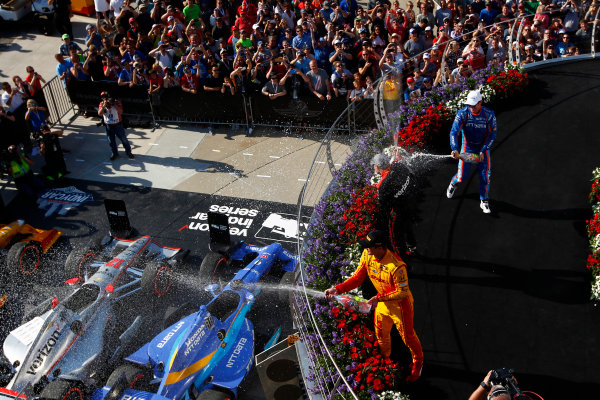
571,19
425,15
155,81
111,112
67,45
126,74
102,7
473,53
170,80
19,168
414,45
341,80
50,148
550,53
489,13
163,54
340,54
563,47
63,69
214,82
273,89
357,91
192,11
411,91
92,37
189,81
321,54
79,72
496,52
368,64
318,81
443,14
62,16
583,36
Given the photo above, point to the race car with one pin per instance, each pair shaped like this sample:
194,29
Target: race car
26,247
60,350
207,354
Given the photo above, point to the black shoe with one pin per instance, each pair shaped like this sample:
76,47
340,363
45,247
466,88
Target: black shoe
113,157
131,156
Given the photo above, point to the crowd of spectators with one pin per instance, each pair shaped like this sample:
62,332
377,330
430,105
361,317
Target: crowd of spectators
326,49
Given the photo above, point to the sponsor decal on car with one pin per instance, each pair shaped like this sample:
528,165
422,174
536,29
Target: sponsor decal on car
44,352
169,335
236,352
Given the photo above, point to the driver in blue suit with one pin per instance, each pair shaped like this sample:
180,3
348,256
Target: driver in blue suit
477,124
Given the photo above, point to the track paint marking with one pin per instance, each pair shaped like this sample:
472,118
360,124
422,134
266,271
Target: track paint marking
184,227
183,147
337,165
274,157
216,151
319,162
153,144
301,180
263,176
247,154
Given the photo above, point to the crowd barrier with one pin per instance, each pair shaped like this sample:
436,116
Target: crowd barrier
172,105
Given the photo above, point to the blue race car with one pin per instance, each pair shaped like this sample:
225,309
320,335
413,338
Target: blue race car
207,354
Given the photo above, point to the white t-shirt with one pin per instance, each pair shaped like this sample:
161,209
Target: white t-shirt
165,61
116,6
111,116
101,5
17,100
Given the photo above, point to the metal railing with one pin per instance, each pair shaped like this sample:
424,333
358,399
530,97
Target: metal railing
327,379
57,100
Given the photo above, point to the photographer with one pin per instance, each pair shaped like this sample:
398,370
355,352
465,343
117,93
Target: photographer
111,112
499,384
50,148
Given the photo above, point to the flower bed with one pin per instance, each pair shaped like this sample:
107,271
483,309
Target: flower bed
348,211
593,228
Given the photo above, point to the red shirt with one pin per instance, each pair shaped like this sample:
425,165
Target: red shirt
37,86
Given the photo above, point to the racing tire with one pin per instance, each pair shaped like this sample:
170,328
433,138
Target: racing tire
211,394
63,390
157,279
78,262
213,266
287,281
136,377
24,259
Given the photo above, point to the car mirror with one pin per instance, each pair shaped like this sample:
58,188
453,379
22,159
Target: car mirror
73,281
212,288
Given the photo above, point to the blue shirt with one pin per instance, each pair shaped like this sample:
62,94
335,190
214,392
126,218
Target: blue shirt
302,42
64,67
488,16
478,131
303,65
322,57
96,40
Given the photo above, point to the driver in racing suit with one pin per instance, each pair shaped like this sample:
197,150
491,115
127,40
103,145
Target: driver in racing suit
394,301
478,127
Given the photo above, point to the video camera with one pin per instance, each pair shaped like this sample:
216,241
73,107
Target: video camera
504,377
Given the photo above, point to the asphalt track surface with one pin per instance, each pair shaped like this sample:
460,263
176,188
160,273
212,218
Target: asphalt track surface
508,289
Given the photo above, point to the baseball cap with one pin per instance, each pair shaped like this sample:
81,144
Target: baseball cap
336,41
303,11
428,28
170,18
411,30
428,79
395,35
460,60
373,239
362,30
299,52
473,98
133,19
260,43
322,39
255,26
88,27
65,36
161,43
561,31
426,55
410,79
104,94
326,4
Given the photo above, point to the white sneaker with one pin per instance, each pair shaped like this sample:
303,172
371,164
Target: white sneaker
485,206
450,191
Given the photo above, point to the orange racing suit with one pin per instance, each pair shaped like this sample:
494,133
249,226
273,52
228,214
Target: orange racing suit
395,304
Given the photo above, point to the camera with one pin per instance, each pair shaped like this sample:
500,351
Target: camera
504,377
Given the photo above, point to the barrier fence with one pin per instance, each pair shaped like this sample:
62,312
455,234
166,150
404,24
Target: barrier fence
172,105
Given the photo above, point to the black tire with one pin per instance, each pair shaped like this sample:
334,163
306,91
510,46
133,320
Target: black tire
213,267
63,390
24,259
157,279
78,262
287,280
137,377
211,394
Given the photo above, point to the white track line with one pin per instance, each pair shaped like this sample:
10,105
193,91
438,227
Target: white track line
263,176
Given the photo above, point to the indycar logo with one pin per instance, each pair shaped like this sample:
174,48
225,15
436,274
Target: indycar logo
236,352
61,200
170,335
43,352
